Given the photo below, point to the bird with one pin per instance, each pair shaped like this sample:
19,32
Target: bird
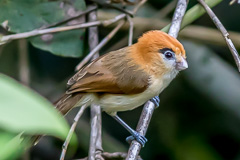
125,79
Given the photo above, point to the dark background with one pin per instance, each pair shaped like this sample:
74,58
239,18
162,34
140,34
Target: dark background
199,113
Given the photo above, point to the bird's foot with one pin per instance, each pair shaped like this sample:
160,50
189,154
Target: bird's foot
156,101
138,137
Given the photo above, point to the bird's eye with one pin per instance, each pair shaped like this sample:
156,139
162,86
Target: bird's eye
168,54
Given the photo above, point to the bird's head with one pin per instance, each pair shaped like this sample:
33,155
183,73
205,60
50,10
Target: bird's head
161,50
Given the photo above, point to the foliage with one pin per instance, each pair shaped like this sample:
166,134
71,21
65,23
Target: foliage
25,112
28,15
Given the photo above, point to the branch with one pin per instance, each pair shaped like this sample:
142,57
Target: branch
116,155
224,32
166,9
95,146
138,6
142,127
5,39
100,45
194,13
177,18
108,5
112,156
149,107
108,37
71,131
88,10
131,27
233,1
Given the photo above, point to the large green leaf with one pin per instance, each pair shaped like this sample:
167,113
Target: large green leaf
11,145
22,110
28,15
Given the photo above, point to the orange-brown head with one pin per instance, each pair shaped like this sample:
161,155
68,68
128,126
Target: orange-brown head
162,50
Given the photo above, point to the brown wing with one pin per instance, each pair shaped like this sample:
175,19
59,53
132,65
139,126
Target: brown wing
111,73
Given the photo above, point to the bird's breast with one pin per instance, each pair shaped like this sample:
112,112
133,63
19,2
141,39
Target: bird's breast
112,103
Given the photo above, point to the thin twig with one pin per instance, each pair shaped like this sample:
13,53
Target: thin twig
138,6
106,39
166,9
100,45
5,39
149,107
88,10
131,26
107,5
224,33
95,146
232,2
8,38
71,131
24,73
112,156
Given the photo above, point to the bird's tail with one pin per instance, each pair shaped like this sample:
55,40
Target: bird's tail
67,102
63,105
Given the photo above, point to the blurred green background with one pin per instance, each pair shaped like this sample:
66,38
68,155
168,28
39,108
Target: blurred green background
199,113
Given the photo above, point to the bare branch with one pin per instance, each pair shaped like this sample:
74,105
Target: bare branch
107,5
232,2
138,6
116,155
177,18
100,45
108,37
142,127
88,10
113,20
131,26
95,146
71,131
224,33
112,156
148,109
5,39
166,10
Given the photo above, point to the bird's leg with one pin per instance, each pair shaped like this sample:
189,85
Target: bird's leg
156,101
135,135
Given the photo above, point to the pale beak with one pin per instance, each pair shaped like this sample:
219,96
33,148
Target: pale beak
182,64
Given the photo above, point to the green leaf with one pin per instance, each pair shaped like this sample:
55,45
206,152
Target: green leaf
69,43
22,110
11,145
28,15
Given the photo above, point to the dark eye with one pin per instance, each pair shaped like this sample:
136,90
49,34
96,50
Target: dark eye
167,52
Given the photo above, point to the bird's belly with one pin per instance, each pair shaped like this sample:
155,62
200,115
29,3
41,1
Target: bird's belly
114,103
